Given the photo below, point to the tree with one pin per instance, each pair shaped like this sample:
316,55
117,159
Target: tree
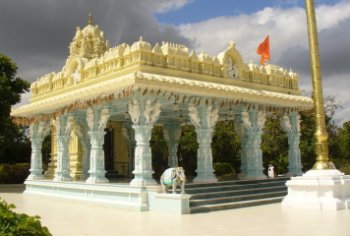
274,145
14,145
226,145
13,223
341,150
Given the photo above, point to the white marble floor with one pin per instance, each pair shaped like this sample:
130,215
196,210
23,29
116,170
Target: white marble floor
67,217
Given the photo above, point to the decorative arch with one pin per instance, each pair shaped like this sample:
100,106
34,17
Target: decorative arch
73,67
232,62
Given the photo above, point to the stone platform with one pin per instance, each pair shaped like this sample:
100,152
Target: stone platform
319,189
121,195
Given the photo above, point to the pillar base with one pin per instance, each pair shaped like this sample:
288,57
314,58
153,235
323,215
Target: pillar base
253,175
35,177
294,173
320,190
62,178
95,180
205,177
140,181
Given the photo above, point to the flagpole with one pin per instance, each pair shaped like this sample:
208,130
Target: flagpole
321,135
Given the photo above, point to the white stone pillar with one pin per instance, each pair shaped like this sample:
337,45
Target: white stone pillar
144,113
204,119
64,124
97,119
172,134
38,132
290,124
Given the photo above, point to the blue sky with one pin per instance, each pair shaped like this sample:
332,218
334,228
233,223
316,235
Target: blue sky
199,10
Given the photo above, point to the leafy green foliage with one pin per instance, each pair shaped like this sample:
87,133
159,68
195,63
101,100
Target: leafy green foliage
14,145
340,148
223,169
226,145
307,141
14,173
187,150
16,224
274,145
159,152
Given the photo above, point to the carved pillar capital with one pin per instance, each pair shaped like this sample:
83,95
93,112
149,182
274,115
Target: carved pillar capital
144,111
39,129
204,116
194,116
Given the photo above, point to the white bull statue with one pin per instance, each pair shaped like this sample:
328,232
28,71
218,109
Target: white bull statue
173,177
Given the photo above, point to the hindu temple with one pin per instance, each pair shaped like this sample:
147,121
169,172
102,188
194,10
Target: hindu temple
100,110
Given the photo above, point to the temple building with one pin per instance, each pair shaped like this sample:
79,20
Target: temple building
101,107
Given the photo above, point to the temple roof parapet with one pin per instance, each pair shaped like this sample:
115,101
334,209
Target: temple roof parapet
83,65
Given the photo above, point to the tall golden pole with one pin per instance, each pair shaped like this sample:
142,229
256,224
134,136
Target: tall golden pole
321,135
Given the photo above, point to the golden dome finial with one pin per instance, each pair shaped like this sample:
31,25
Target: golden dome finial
90,21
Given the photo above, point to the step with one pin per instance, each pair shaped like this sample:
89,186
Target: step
237,192
215,188
221,199
236,182
234,205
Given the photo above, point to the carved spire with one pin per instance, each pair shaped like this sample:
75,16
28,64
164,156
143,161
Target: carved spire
88,42
90,21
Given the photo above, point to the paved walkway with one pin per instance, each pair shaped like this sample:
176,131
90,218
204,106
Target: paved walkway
73,218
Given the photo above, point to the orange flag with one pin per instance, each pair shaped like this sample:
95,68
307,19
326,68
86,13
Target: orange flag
264,50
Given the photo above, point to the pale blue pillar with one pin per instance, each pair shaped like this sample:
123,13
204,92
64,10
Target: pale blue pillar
144,112
172,134
291,125
97,119
251,125
204,118
38,132
63,129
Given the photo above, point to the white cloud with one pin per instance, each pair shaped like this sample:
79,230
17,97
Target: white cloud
288,41
286,27
165,5
337,87
24,100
